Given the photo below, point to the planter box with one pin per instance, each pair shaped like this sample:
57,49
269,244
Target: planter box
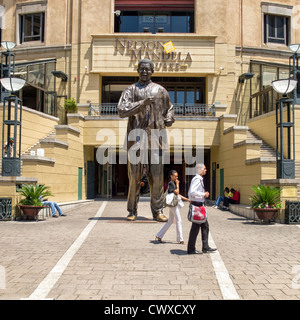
265,214
31,210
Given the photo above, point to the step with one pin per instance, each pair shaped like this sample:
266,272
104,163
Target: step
27,156
266,150
51,135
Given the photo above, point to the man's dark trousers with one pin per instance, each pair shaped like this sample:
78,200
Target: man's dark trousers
194,233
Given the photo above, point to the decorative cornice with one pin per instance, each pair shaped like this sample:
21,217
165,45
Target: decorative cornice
264,51
23,49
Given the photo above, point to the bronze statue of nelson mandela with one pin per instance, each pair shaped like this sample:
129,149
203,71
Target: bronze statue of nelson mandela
149,109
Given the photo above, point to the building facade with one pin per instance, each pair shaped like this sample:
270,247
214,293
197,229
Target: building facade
219,77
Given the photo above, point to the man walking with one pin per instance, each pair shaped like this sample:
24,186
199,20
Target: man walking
197,196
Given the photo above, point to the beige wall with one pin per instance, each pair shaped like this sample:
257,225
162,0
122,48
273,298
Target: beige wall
224,25
79,34
95,131
77,20
264,126
253,23
110,56
59,168
232,158
61,175
221,18
35,125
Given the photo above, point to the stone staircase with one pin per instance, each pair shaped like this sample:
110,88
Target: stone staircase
257,150
266,151
47,145
51,136
31,153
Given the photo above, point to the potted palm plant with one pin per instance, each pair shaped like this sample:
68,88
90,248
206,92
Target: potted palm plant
33,196
265,201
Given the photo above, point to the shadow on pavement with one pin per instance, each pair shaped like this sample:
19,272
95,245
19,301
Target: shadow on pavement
123,219
179,252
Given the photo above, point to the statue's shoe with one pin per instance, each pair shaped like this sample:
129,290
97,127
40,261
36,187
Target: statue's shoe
160,217
131,216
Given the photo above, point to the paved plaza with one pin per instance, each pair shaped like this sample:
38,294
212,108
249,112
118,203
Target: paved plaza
94,253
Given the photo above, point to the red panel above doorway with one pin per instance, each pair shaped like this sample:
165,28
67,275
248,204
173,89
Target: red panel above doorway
157,5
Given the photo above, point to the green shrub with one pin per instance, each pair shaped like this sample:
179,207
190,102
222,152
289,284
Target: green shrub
70,105
33,194
265,197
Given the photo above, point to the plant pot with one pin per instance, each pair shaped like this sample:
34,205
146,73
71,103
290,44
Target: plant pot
31,210
265,214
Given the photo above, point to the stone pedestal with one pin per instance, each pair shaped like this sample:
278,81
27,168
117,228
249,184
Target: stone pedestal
8,189
288,189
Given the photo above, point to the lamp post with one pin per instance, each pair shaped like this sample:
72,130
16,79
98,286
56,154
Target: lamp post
295,70
12,113
285,129
7,64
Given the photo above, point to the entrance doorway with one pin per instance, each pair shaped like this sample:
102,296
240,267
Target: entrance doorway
112,180
185,180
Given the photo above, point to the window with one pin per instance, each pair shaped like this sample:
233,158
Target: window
155,21
155,16
277,20
32,27
263,97
276,29
39,92
181,90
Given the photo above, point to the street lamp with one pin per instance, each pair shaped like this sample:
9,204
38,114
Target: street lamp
294,47
284,86
12,84
8,45
12,113
285,166
295,70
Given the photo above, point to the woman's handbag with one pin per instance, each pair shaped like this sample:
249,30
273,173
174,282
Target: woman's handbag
170,199
197,214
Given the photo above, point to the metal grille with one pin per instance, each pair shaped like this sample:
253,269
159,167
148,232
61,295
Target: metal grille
292,212
5,208
194,109
182,110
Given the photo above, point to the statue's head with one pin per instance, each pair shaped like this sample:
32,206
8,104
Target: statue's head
145,70
144,61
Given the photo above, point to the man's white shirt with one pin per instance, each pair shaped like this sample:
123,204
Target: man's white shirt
196,190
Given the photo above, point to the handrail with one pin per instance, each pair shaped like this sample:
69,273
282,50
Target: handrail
263,102
183,110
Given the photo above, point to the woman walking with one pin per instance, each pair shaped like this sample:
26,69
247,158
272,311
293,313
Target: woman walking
173,187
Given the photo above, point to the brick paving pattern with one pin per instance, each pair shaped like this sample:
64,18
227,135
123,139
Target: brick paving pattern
121,260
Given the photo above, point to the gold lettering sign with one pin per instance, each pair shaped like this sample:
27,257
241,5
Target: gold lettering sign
154,51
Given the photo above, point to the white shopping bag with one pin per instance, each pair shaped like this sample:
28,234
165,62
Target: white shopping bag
169,198
180,202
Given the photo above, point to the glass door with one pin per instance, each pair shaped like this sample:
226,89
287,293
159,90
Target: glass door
190,95
171,91
187,94
180,96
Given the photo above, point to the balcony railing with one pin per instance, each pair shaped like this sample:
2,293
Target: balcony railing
180,110
263,102
194,109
